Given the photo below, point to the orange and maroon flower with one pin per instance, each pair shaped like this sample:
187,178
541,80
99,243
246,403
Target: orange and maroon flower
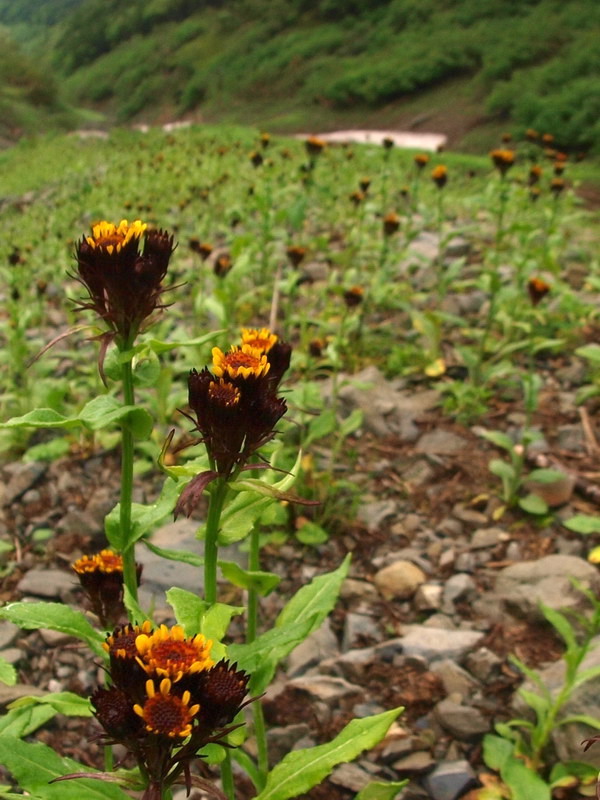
538,289
535,173
168,653
256,158
314,146
503,159
356,197
557,186
101,577
364,184
388,143
439,175
391,223
122,267
421,160
354,296
295,254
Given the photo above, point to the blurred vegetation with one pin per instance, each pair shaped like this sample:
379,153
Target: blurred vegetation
528,63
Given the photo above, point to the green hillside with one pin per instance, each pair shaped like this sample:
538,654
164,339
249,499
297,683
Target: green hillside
455,64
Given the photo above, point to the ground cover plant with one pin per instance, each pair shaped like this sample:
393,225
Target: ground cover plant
476,277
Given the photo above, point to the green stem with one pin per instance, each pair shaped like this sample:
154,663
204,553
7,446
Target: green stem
251,631
227,776
211,543
129,569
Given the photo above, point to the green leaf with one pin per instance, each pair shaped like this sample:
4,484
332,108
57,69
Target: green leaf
380,790
524,782
533,504
67,703
158,346
21,722
351,423
496,751
499,439
35,765
583,523
57,617
262,656
257,580
539,704
585,675
8,674
216,621
312,534
320,426
502,469
561,625
300,770
41,418
189,609
144,518
589,351
580,719
317,599
185,556
545,475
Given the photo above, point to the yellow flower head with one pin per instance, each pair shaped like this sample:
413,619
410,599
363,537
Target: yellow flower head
112,237
167,714
261,339
244,362
167,652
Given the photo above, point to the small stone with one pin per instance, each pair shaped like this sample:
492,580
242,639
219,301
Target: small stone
455,679
8,633
321,644
400,580
465,514
375,514
483,663
10,693
21,477
419,761
449,780
353,664
457,247
359,628
487,537
13,655
437,643
350,776
53,583
352,588
458,587
325,688
463,722
440,442
428,597
282,739
53,638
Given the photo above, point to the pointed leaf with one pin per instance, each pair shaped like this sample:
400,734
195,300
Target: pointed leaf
21,722
185,556
317,598
499,439
300,770
67,703
533,504
380,790
35,765
583,523
254,580
57,617
8,674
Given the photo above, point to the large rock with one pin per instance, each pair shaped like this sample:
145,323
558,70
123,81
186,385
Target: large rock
438,643
522,587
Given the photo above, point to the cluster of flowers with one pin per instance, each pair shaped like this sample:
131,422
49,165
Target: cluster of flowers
235,405
166,699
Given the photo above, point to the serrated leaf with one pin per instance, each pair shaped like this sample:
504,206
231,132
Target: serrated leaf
21,722
583,523
57,617
254,580
35,765
300,770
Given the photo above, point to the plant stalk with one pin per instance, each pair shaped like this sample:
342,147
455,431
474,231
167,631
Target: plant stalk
127,452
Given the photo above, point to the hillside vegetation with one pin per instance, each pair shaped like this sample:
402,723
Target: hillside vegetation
299,63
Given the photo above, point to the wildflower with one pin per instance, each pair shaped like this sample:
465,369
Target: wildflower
114,711
168,653
314,146
295,254
391,223
537,289
122,267
559,167
503,160
534,193
364,184
557,186
506,137
357,197
101,577
265,139
535,173
354,296
547,138
221,693
256,158
166,714
262,339
316,347
204,249
421,160
532,135
388,143
439,176
222,265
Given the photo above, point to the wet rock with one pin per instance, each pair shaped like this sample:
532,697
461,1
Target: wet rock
321,644
522,587
461,721
399,580
440,442
438,643
352,665
49,583
449,780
